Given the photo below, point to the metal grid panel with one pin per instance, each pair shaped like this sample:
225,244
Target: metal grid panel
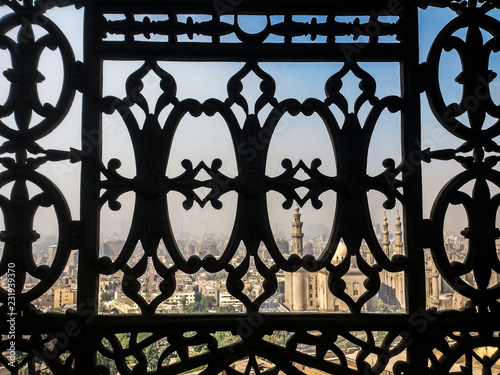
86,342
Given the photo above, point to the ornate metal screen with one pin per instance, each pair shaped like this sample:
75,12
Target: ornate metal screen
415,340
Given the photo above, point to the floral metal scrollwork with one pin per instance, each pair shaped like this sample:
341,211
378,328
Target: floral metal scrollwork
23,99
21,155
481,205
152,144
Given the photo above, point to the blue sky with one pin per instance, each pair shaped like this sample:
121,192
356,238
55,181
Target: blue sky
207,138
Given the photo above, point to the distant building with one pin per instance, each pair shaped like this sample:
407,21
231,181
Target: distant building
210,290
46,301
377,231
308,248
112,248
64,296
208,248
51,253
226,299
192,248
73,259
283,246
392,289
305,291
178,297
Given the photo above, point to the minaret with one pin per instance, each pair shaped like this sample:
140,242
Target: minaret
385,236
297,234
398,240
296,283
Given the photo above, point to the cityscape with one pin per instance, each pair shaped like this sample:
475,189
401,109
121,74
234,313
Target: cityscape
299,291
205,292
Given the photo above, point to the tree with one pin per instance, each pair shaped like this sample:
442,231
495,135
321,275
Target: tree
194,307
197,296
225,309
381,306
208,302
226,338
279,337
152,356
221,275
183,302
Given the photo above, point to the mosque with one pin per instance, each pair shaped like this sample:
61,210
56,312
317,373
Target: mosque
308,291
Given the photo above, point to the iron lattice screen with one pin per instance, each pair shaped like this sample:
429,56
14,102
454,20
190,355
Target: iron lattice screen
416,340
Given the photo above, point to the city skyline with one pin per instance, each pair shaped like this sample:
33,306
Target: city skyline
314,245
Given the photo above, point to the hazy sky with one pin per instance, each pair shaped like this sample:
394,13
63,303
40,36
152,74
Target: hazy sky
207,138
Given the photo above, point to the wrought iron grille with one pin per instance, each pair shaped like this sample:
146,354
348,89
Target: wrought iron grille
85,341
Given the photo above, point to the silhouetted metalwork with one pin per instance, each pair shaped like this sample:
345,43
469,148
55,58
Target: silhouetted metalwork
433,340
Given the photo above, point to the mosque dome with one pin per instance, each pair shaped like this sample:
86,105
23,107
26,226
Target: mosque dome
340,253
